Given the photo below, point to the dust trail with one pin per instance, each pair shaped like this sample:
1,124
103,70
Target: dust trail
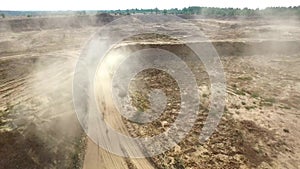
41,128
96,156
46,117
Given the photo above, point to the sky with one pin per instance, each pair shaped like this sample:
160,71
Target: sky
129,4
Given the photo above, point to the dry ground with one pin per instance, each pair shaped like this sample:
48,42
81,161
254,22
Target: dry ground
259,129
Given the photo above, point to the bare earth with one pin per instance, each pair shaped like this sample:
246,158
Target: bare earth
260,127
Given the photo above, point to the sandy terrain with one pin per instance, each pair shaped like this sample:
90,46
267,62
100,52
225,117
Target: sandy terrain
259,129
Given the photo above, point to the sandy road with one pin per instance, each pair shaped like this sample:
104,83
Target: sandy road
96,157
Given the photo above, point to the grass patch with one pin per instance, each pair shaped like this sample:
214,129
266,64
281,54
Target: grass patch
255,95
285,107
270,100
4,116
78,154
240,92
235,106
245,78
250,107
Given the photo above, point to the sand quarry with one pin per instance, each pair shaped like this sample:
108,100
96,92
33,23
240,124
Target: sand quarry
260,127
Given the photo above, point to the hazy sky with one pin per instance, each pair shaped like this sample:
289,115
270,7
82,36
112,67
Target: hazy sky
128,4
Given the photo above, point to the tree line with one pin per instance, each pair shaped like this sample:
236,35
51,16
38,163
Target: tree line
211,11
193,10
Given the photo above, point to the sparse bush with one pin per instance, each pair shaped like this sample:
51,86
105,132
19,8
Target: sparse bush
270,100
239,92
255,95
247,78
250,107
2,15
